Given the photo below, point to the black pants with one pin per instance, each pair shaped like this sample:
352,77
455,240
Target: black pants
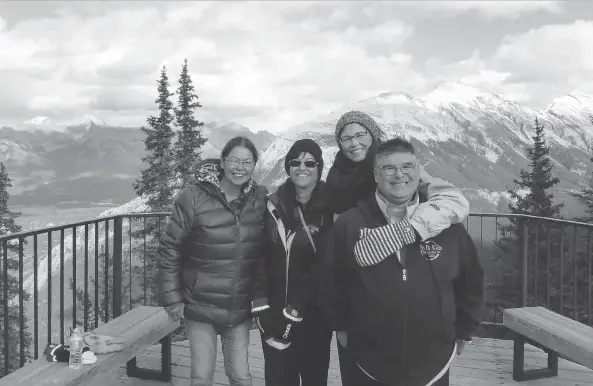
359,378
306,359
346,364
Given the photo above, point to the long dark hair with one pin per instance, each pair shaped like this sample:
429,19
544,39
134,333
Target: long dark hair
239,142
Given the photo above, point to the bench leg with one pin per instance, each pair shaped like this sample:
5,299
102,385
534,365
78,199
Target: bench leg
164,374
519,372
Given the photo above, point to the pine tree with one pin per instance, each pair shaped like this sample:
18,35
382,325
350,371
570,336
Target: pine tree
156,179
537,181
9,226
537,201
187,149
585,195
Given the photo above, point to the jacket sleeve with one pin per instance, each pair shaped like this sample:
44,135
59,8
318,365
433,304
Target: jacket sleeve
170,247
469,288
260,283
332,277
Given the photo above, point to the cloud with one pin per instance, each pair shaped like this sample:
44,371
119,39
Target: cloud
529,67
266,65
285,61
513,9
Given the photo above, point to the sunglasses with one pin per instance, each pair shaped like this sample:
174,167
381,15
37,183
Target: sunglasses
295,163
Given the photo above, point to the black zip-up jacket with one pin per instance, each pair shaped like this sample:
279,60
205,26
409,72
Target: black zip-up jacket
210,249
300,263
402,319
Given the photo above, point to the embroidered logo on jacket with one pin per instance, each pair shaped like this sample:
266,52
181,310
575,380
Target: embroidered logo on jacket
430,250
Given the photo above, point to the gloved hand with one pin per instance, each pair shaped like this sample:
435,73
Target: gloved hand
61,353
374,245
283,335
263,321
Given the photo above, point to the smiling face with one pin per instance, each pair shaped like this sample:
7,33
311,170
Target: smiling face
355,141
397,176
238,165
302,175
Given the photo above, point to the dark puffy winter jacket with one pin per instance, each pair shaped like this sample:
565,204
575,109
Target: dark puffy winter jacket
402,318
208,253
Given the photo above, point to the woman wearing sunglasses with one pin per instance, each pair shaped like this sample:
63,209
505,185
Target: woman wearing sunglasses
296,343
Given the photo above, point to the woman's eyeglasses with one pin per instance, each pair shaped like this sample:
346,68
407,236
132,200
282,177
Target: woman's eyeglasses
295,163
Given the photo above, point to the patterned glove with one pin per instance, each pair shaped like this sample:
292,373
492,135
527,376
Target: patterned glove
264,325
283,338
59,353
374,245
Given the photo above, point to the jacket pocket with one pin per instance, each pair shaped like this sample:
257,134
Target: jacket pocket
190,278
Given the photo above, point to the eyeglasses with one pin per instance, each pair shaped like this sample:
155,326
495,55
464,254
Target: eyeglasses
295,163
390,170
234,162
358,136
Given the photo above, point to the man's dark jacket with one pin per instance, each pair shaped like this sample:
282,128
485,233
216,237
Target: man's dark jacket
401,332
209,252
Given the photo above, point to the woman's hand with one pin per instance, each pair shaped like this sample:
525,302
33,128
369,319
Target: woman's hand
175,311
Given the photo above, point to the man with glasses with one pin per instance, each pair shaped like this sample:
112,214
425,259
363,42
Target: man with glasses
407,315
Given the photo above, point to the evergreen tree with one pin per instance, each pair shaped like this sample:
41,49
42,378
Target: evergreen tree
536,201
187,149
585,195
9,226
156,180
537,181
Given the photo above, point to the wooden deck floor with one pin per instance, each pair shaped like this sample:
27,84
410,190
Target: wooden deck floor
486,362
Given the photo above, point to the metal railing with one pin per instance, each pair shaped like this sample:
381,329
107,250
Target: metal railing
86,273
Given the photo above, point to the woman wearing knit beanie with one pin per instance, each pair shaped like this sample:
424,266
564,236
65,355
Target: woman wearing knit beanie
295,340
351,179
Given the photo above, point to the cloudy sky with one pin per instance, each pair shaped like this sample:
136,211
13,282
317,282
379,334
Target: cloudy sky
270,65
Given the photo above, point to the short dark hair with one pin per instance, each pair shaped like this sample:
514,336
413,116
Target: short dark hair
239,142
394,145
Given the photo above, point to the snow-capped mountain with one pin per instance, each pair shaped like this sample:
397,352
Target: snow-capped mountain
470,137
47,124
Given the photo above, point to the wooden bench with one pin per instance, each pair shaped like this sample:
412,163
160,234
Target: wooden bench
140,328
557,335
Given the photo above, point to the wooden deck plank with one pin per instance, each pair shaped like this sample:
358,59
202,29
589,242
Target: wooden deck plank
486,362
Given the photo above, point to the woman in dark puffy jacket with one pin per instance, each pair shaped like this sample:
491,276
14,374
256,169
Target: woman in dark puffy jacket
208,256
295,339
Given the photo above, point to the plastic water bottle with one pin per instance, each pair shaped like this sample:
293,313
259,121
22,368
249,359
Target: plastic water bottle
76,343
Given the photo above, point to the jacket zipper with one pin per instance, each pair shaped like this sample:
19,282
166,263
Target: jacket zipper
234,273
405,340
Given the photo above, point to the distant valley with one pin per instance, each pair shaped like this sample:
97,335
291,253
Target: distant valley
88,164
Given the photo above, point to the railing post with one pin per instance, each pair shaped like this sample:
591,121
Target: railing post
523,253
117,265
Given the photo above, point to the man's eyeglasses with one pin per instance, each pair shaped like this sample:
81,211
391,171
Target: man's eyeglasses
295,163
358,136
234,162
389,170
